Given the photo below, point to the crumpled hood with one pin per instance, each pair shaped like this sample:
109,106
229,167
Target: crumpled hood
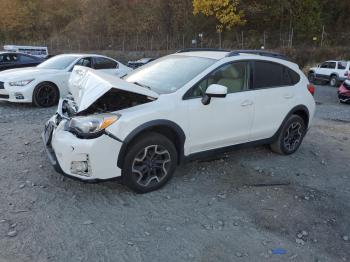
87,85
24,73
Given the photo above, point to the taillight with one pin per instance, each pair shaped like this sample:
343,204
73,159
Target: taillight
311,88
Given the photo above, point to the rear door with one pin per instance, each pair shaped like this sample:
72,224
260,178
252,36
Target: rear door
331,69
274,95
107,66
342,69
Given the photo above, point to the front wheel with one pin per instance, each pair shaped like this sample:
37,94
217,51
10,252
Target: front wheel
290,137
45,95
150,163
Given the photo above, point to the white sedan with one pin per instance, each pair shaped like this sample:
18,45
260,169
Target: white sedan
44,84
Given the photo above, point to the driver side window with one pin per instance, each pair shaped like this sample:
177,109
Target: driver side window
234,76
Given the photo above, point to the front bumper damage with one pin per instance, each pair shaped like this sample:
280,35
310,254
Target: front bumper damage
89,160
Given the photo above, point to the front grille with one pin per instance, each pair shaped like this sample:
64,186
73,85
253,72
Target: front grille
2,85
4,96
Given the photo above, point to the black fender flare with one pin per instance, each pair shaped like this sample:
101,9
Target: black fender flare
152,126
295,109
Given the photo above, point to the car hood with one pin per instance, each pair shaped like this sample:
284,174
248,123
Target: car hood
25,73
87,85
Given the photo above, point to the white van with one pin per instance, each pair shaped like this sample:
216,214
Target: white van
39,51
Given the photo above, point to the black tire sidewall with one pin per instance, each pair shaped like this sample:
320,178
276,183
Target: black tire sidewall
291,120
335,83
135,148
37,89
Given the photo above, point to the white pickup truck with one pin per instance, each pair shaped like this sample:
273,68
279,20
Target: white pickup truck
334,72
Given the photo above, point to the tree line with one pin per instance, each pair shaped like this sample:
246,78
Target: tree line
304,21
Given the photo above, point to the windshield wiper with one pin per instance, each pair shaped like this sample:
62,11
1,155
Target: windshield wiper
139,84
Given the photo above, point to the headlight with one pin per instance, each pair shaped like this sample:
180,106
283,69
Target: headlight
21,83
91,126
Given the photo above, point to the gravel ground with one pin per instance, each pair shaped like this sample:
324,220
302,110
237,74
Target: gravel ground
239,207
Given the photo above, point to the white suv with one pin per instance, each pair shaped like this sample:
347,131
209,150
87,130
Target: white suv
180,107
334,72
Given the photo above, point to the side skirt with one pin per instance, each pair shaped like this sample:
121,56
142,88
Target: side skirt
222,150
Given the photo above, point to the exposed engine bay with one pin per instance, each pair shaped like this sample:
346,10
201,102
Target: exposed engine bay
113,100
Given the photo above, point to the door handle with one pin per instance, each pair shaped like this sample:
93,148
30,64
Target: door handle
288,96
247,103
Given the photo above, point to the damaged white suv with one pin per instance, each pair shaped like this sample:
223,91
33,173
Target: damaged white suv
180,107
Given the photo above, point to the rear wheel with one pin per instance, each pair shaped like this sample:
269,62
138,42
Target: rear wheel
333,81
150,162
45,95
290,137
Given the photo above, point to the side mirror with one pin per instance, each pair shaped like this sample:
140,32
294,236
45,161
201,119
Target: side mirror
214,91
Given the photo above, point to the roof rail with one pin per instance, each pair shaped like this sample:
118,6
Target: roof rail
258,52
202,49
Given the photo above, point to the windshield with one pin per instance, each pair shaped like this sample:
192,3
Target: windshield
168,74
58,62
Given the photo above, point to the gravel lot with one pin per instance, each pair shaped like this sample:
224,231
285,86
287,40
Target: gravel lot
217,210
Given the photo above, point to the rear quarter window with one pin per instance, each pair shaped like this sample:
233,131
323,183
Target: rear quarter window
269,74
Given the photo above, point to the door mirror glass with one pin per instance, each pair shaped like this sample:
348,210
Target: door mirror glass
214,90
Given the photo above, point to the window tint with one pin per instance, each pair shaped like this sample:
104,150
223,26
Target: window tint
27,59
269,74
234,76
8,58
332,65
324,65
104,63
84,62
342,65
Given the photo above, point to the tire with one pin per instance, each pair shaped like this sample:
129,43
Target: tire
333,82
290,137
150,163
311,76
45,95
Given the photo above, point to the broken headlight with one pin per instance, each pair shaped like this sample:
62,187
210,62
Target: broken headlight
90,126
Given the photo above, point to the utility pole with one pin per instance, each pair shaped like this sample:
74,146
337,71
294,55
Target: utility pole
242,40
322,36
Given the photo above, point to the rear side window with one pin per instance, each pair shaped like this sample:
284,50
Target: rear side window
27,59
269,74
324,65
104,63
342,65
332,65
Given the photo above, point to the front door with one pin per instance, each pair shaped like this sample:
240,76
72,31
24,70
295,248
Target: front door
224,121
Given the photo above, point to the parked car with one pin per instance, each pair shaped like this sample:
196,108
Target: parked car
140,62
344,92
10,60
334,72
38,51
45,84
181,107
